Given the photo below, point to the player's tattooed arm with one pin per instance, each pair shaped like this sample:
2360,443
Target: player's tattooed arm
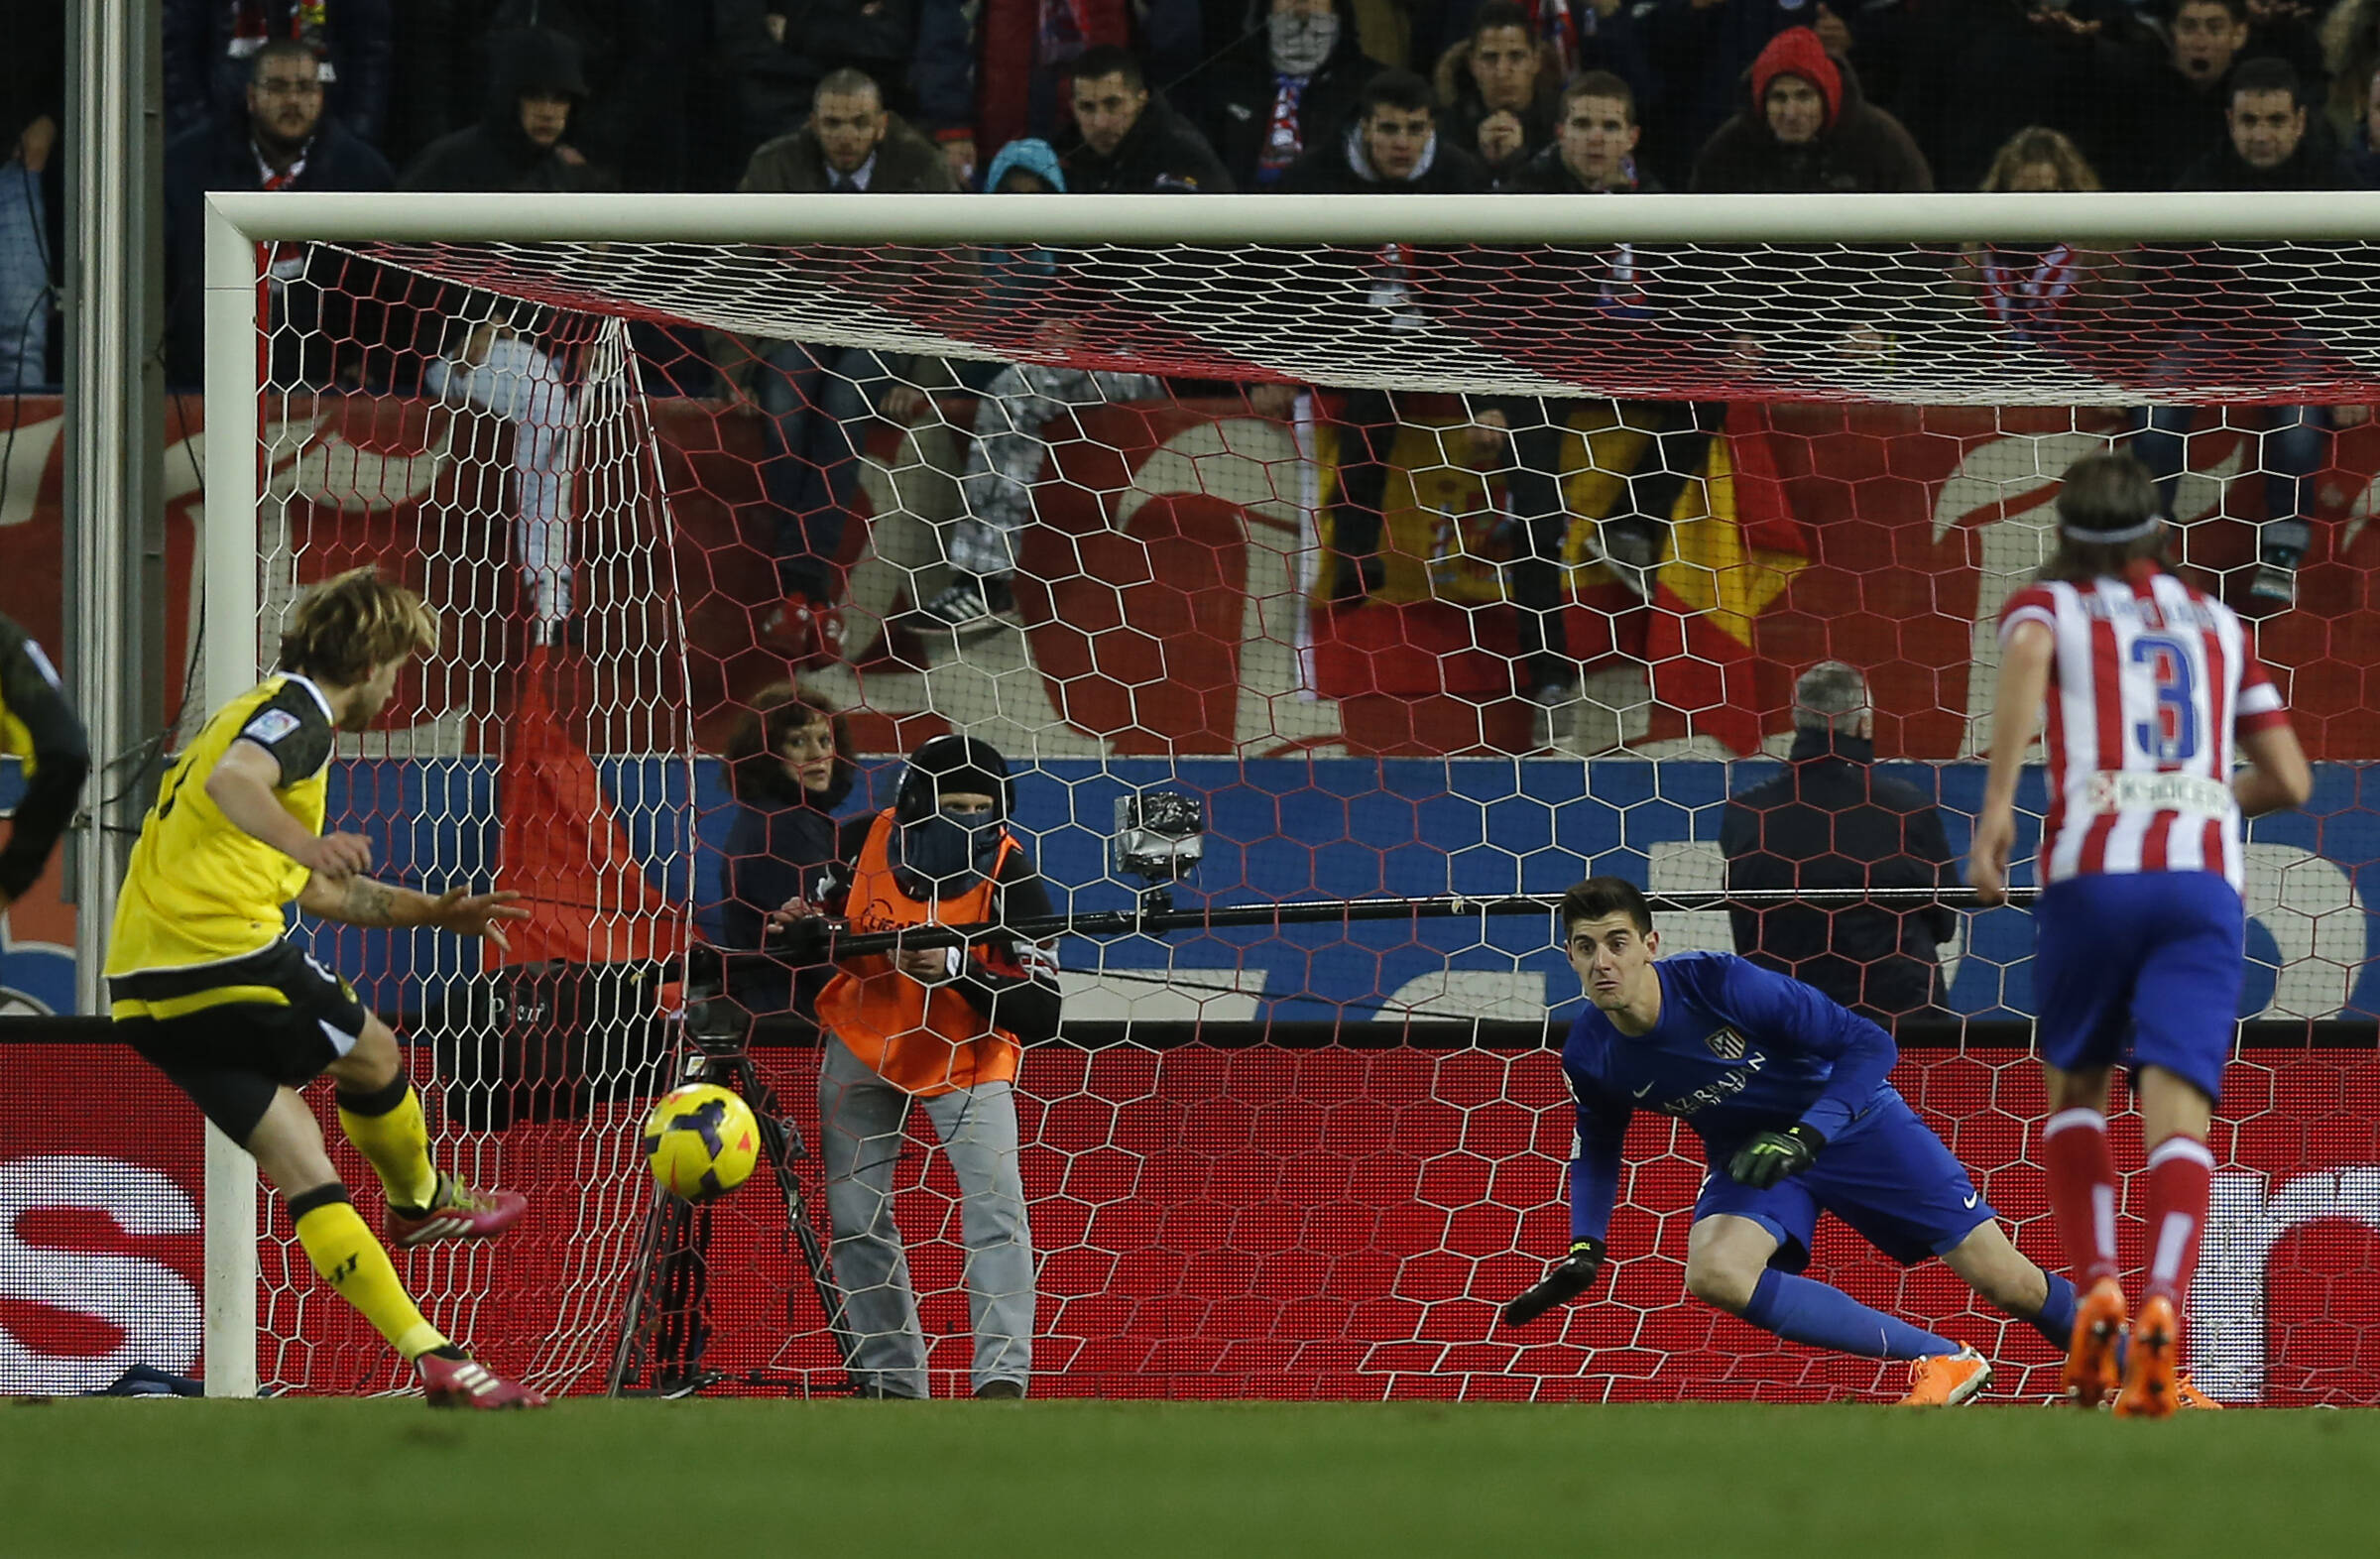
359,901
366,903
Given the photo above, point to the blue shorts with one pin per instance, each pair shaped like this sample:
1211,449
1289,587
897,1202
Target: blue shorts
2143,969
1889,1177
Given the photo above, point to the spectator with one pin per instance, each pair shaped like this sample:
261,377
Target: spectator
1496,88
2360,158
1830,822
1288,87
208,47
2170,94
2267,147
492,360
33,104
2057,296
283,141
1701,51
1976,72
1575,36
520,144
1009,450
1806,127
1126,140
992,71
1594,153
945,1029
1392,148
820,400
2350,41
789,767
640,116
779,75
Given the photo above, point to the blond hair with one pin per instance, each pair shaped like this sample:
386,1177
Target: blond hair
352,624
2039,145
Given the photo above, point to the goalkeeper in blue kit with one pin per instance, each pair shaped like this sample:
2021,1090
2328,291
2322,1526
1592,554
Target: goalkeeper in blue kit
1788,1094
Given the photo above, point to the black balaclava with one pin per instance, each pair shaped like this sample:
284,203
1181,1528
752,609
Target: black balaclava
935,855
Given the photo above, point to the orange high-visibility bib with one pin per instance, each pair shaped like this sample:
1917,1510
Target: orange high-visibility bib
926,1039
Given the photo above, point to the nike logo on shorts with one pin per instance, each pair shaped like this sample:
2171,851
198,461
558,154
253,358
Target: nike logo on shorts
1973,1197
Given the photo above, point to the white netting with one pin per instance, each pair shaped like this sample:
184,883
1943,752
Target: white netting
1239,1204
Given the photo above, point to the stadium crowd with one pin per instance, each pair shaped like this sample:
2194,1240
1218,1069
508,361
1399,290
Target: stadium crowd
1298,96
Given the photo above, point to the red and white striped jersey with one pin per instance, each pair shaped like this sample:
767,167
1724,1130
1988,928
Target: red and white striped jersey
2148,684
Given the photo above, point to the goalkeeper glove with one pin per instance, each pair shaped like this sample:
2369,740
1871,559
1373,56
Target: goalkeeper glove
1773,1156
1569,1278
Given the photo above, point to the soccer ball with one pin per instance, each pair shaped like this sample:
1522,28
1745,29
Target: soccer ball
701,1141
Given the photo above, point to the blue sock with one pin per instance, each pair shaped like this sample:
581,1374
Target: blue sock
2057,1319
1802,1310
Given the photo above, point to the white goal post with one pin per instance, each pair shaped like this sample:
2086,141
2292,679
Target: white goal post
237,225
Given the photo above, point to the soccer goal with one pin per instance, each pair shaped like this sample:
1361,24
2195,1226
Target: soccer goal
1076,475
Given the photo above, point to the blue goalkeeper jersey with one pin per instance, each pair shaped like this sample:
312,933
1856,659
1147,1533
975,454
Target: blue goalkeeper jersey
1737,1050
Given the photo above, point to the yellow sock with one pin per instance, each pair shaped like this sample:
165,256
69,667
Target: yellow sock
352,1261
388,1128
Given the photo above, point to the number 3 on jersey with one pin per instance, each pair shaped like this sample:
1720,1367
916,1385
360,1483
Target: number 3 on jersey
2172,734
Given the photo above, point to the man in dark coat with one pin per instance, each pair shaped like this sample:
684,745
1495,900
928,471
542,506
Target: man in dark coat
1492,88
1831,823
1286,88
1805,125
1127,141
209,51
285,141
508,366
2163,96
2260,299
1392,147
520,144
818,400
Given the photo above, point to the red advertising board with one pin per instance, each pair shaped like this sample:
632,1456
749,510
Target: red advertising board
1211,1223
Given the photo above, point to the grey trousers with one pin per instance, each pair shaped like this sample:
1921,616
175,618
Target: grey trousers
861,1118
1008,452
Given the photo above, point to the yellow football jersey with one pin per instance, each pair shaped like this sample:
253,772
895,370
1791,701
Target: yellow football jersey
200,888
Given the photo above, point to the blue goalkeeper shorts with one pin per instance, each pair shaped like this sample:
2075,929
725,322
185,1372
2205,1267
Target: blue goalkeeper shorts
1888,1176
2142,969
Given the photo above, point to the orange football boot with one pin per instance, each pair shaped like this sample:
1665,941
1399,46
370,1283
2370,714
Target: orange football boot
1947,1379
2151,1381
2090,1377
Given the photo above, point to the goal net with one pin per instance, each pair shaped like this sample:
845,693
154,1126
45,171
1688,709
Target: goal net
1099,480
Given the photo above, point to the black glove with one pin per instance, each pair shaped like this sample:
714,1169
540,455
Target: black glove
1773,1156
808,940
1566,1280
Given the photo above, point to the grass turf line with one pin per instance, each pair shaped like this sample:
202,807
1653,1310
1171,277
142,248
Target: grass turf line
731,1479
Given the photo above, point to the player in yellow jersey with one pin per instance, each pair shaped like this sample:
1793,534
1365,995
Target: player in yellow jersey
37,725
204,983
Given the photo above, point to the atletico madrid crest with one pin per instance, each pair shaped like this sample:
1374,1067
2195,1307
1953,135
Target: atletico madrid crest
1725,1043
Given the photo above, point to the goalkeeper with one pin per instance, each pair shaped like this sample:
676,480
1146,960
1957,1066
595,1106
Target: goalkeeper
1788,1094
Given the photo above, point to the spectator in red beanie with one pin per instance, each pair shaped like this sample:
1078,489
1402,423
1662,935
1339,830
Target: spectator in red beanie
1808,127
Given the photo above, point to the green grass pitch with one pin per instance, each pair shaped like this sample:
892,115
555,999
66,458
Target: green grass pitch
774,1480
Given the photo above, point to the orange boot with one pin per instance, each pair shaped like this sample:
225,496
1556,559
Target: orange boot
2151,1380
2090,1377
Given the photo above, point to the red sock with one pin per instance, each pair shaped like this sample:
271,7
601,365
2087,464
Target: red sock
2179,1171
2074,1145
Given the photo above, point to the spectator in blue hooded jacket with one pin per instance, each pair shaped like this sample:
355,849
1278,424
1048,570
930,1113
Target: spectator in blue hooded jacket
1008,452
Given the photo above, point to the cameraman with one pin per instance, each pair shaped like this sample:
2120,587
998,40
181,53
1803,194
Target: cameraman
944,1026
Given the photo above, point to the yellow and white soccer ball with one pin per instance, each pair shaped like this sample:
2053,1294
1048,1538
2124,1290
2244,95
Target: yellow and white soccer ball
701,1141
